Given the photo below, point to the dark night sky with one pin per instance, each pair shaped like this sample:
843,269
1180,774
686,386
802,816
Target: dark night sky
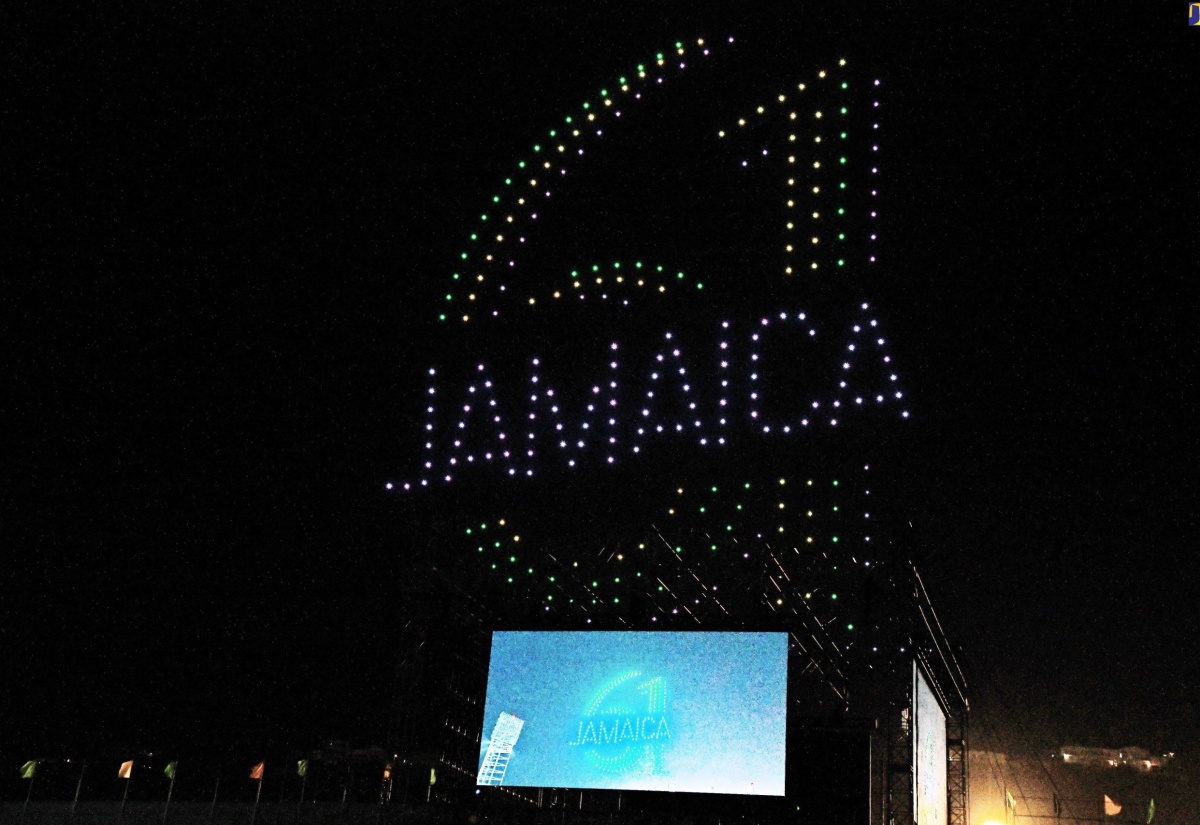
228,232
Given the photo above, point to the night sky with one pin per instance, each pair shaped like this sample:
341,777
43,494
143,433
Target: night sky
228,235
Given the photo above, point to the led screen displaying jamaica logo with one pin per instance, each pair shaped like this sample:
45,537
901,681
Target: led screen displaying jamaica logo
688,712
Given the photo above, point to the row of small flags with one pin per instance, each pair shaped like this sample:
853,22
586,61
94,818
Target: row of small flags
1111,806
126,770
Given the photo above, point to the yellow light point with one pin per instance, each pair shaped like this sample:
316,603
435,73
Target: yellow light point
816,215
662,289
577,284
782,99
471,297
671,511
761,110
801,87
810,513
620,279
781,530
509,219
791,226
700,41
516,538
533,181
607,102
500,238
520,201
821,73
620,557
532,301
816,164
625,88
782,482
816,190
814,264
487,257
641,282
562,148
792,116
575,132
787,270
818,115
721,133
791,158
814,240
842,62
808,540
479,278
679,490
790,204
781,505
501,522
810,482
817,139
591,116
791,181
466,318
599,280
791,138
558,295
789,247
680,51
546,165
741,121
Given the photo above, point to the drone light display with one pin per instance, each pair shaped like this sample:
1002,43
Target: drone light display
707,387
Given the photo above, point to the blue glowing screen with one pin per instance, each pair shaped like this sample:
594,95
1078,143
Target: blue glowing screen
656,711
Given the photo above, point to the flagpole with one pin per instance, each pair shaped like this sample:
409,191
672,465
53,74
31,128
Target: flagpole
125,796
257,794
303,787
212,812
345,790
78,785
29,792
170,790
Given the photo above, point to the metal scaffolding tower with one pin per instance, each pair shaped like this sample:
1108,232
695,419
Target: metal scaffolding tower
500,748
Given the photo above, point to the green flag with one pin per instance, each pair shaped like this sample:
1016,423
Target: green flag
433,776
1150,812
169,770
29,769
302,767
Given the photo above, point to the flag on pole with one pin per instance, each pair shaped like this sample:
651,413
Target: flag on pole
126,770
302,767
1111,808
433,776
1009,802
29,769
257,771
169,770
1150,812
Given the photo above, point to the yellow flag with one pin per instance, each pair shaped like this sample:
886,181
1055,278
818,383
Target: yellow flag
1111,808
257,771
126,770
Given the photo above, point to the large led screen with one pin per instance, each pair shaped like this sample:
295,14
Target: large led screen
929,753
687,712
